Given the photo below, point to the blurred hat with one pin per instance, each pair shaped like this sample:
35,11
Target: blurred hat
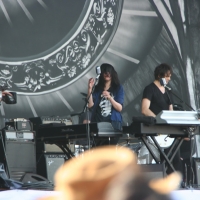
88,176
104,173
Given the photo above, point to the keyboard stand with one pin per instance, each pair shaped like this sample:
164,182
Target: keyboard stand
167,158
66,150
177,124
170,156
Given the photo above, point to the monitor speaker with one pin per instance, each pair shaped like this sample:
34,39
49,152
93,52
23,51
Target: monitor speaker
32,178
152,171
48,163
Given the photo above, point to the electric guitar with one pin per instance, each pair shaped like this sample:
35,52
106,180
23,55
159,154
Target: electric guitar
164,141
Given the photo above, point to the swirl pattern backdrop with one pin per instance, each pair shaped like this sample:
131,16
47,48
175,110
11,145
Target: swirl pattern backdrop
49,49
55,43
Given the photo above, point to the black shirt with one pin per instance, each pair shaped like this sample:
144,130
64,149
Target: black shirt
159,101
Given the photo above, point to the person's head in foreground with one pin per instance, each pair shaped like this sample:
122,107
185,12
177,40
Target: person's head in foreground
109,173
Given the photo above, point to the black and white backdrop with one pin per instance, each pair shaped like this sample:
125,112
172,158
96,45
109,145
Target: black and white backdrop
50,48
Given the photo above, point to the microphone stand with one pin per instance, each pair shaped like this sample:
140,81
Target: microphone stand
169,89
85,109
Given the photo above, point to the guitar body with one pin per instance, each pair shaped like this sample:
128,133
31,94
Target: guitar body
164,141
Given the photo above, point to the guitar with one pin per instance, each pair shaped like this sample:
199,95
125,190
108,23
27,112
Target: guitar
164,141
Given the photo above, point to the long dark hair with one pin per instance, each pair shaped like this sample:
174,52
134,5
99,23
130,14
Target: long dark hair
108,68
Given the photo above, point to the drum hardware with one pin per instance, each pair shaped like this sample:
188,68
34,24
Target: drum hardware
134,146
78,150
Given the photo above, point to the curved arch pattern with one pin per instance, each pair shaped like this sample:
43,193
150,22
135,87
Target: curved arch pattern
69,61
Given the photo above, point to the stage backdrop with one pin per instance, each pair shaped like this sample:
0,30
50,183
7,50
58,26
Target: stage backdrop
49,49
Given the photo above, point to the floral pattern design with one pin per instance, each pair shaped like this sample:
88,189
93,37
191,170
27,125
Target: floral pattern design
58,70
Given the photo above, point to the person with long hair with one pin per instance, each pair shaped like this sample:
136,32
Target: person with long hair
107,100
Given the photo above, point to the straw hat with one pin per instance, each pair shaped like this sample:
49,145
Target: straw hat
92,175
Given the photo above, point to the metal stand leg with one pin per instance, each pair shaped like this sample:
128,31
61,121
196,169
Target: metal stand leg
162,153
179,142
150,150
66,150
169,157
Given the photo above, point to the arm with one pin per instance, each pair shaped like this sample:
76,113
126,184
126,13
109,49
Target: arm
170,107
145,108
6,92
119,99
90,86
3,93
117,106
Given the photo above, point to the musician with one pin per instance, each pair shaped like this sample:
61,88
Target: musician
108,97
156,98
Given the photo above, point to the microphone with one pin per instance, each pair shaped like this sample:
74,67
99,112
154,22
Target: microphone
168,87
98,71
164,83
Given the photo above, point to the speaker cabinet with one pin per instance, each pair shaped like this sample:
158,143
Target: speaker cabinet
196,167
17,153
152,171
48,164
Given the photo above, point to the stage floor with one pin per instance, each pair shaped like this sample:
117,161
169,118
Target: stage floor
35,194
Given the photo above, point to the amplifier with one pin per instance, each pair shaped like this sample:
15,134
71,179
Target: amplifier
19,125
18,136
48,164
17,153
56,119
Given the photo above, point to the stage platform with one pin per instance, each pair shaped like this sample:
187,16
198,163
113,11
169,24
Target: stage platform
36,194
